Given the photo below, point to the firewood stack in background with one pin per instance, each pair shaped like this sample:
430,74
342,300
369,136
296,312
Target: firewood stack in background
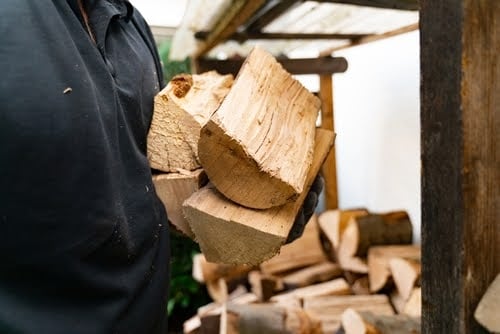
308,289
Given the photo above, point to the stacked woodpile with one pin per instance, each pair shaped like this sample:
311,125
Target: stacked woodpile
254,139
351,271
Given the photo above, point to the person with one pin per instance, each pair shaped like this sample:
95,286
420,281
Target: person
84,240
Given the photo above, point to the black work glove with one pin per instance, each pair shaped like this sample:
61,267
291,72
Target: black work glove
307,209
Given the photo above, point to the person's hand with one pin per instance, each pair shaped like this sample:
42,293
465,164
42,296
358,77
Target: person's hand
307,209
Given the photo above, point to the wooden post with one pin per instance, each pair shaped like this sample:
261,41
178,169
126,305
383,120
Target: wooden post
460,122
327,122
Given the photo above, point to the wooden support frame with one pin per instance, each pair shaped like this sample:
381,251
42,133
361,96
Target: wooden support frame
243,36
322,65
387,4
460,122
327,122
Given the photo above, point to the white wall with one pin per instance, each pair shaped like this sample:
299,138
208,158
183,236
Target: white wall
376,106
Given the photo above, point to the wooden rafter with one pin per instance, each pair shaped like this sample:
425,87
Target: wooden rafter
322,65
239,12
388,4
243,36
269,13
371,38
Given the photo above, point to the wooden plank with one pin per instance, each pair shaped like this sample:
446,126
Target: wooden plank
257,147
371,38
328,122
355,322
230,21
230,233
268,13
243,36
322,65
460,95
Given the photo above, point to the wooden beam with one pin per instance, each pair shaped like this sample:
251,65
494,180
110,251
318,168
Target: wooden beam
322,65
371,38
269,13
239,12
243,36
327,122
460,118
387,4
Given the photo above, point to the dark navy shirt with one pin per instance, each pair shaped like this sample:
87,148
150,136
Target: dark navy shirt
83,236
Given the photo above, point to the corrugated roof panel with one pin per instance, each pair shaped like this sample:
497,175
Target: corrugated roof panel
305,17
313,17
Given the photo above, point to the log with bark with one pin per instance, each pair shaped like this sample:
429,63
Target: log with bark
230,233
180,110
257,148
363,232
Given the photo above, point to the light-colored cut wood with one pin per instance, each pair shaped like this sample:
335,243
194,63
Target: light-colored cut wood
378,263
270,318
313,274
180,110
397,301
230,233
258,146
204,271
173,189
406,274
329,309
336,287
304,251
488,310
263,286
332,224
413,306
356,322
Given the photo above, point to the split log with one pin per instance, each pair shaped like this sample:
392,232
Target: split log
263,286
488,310
304,251
269,319
173,189
361,286
221,290
204,271
329,309
378,263
258,146
332,225
397,301
314,274
192,325
413,306
180,110
356,322
370,230
230,233
406,274
336,287
209,323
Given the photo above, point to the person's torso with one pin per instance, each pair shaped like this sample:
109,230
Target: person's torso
79,217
